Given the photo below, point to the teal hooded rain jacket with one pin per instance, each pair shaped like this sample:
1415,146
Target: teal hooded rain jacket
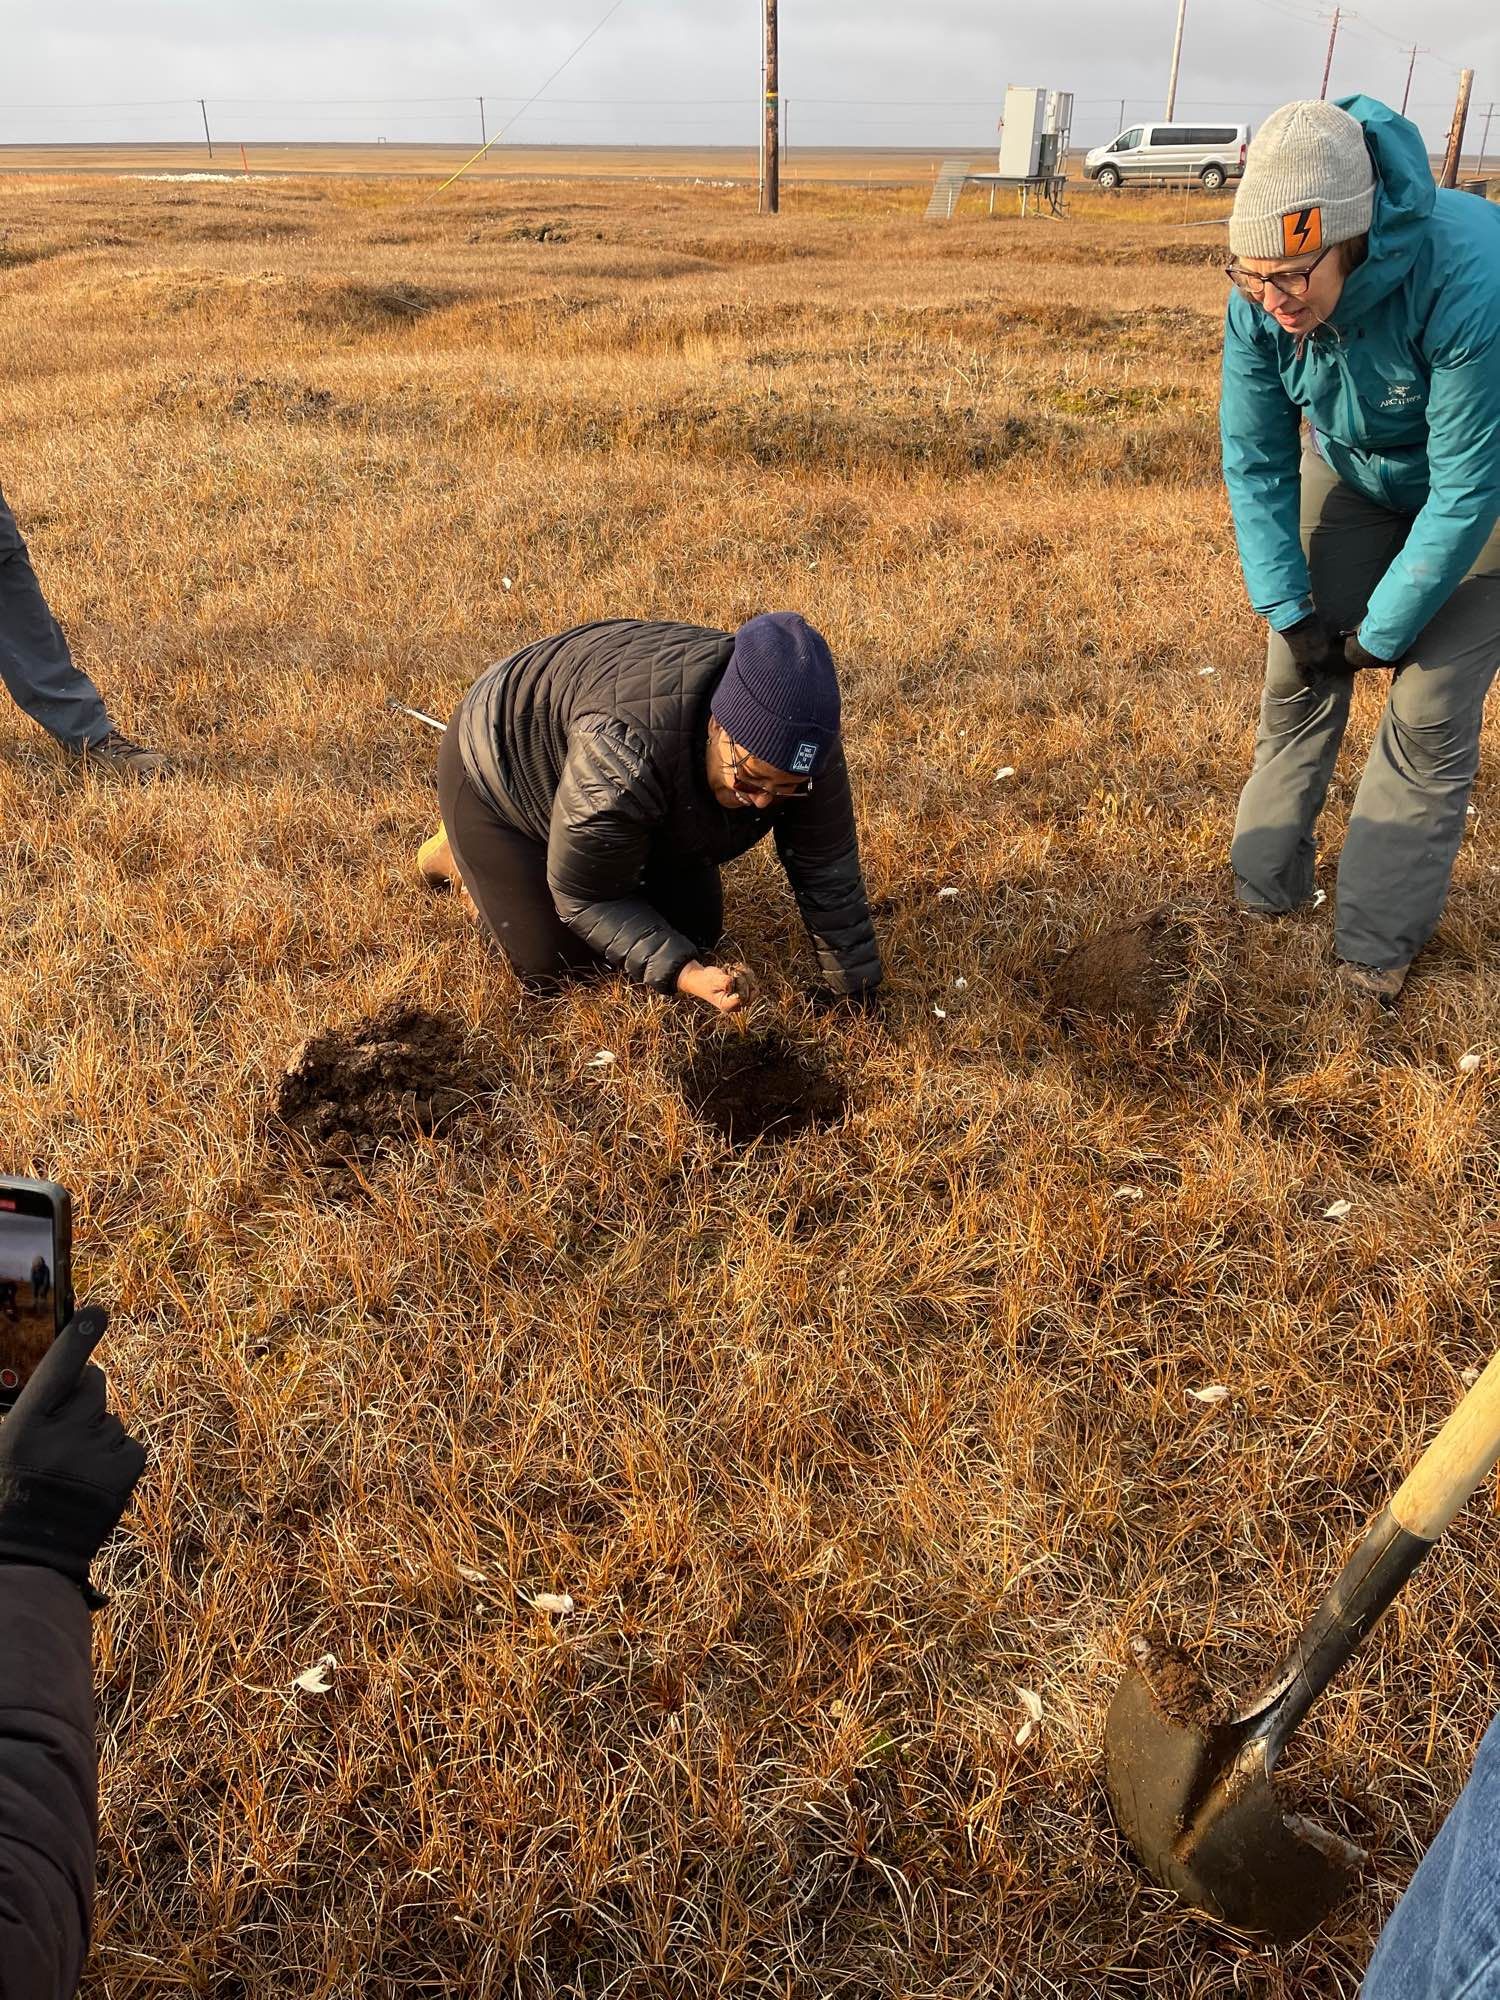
1401,390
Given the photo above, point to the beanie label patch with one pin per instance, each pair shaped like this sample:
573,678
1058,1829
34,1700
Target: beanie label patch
1302,231
803,759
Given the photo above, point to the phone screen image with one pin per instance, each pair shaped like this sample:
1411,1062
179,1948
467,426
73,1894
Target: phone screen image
28,1290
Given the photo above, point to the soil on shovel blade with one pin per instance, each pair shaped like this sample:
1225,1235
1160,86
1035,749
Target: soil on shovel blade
1132,971
350,1090
761,1087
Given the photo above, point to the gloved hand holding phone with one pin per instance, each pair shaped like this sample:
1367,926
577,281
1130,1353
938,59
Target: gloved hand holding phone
67,1466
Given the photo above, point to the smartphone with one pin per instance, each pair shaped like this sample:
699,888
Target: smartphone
36,1276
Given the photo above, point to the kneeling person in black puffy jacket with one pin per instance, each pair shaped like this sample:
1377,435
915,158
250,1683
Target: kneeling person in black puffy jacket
594,784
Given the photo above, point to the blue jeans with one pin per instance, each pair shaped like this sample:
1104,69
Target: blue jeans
35,664
1443,1938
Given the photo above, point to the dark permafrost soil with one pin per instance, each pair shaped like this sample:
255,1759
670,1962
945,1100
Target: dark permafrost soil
1178,1691
761,1087
1132,971
349,1091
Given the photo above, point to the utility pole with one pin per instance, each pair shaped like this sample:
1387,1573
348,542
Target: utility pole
1121,126
484,137
1333,35
1456,129
1484,144
206,133
1176,59
1409,68
770,138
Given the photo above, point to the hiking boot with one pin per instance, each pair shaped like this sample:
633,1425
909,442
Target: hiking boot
439,871
1368,982
435,861
126,759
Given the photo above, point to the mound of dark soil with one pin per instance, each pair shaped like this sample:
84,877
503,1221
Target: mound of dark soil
350,1090
1132,971
761,1087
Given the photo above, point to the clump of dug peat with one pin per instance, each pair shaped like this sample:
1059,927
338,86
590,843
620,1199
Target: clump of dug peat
1160,976
350,1091
761,1087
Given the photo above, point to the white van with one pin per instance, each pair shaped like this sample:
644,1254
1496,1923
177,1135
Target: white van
1211,154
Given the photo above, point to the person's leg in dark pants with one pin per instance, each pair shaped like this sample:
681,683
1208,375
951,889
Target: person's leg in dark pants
40,674
1350,543
1409,811
505,872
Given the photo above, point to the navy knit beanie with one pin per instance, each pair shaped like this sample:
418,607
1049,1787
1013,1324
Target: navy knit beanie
779,695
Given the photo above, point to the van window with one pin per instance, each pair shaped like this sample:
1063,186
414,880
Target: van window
1128,141
1171,135
1214,135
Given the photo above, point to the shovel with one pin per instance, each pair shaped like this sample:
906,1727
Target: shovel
1194,1795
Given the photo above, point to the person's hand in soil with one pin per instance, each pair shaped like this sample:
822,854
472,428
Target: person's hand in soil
725,988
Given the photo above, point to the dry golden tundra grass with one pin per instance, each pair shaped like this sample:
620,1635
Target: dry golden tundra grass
838,1445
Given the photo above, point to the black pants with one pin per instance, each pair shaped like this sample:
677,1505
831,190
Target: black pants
505,871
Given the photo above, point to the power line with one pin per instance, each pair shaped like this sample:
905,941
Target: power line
608,15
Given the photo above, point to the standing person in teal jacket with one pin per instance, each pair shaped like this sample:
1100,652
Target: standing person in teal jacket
1361,430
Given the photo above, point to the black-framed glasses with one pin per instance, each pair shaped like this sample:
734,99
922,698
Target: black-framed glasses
745,785
1290,284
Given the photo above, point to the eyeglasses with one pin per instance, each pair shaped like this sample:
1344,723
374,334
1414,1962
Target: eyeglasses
745,785
1290,284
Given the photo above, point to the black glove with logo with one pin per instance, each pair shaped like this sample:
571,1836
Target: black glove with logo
67,1467
1313,647
1358,658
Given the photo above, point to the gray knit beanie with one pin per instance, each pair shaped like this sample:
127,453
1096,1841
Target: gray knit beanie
1308,182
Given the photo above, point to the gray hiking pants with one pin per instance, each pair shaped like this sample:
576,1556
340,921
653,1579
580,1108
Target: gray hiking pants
1408,816
35,663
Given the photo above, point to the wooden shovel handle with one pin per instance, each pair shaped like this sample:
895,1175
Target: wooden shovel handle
1454,1463
1394,1544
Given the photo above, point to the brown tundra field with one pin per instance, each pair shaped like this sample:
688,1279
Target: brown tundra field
851,1449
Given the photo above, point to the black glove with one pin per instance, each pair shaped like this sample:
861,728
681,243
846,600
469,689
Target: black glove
1357,657
67,1466
1313,647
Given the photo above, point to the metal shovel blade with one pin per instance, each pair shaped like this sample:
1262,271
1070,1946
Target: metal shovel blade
1195,1800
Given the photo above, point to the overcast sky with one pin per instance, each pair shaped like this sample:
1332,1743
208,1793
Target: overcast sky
854,72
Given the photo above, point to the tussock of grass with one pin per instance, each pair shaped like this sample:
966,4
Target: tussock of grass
834,1443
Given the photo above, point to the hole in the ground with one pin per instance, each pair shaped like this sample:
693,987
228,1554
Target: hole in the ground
400,1071
1132,971
761,1087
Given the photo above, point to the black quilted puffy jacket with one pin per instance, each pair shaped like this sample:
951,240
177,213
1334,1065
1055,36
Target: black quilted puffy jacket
48,1781
595,742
